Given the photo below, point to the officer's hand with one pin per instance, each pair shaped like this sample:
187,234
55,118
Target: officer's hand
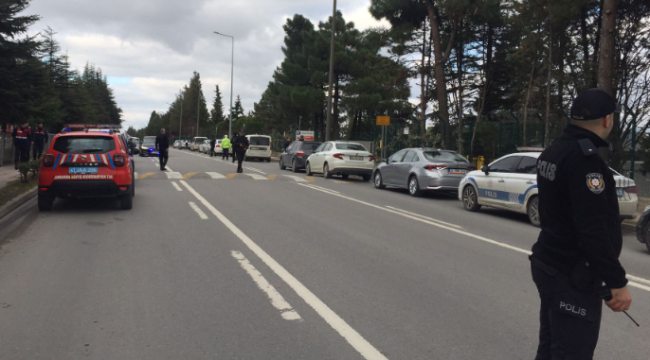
621,300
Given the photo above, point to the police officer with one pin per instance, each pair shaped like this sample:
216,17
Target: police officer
576,255
162,144
23,139
40,139
240,145
225,147
234,152
213,142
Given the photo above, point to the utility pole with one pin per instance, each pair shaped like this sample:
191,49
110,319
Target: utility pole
180,125
328,125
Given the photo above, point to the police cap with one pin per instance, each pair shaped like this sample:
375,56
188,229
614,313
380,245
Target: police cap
593,104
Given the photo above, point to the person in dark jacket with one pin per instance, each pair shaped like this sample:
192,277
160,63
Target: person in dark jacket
23,139
40,139
234,152
162,145
240,145
213,142
287,143
575,261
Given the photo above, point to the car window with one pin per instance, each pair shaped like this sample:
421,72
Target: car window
397,157
259,140
527,165
444,156
409,156
327,147
505,165
320,147
84,145
347,146
309,146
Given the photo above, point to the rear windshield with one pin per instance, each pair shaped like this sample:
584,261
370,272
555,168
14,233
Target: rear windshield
198,140
443,156
149,141
258,140
310,146
358,147
84,145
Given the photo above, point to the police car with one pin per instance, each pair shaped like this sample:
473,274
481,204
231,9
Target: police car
86,164
510,183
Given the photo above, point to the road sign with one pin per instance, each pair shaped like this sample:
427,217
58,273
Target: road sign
308,134
383,120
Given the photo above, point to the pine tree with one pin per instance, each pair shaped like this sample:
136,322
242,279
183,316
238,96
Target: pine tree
216,113
238,110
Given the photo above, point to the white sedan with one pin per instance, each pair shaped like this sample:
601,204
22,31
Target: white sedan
204,147
341,158
510,183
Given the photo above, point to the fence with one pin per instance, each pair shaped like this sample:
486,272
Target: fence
6,150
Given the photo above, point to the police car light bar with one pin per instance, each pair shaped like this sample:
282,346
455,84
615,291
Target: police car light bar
92,126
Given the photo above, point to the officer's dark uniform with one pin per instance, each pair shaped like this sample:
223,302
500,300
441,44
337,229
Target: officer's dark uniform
162,144
213,142
581,240
232,142
22,142
240,145
40,139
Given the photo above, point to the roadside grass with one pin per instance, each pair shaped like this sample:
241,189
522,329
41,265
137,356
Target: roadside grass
15,188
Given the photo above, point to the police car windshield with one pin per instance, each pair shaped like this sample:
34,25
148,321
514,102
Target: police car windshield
443,156
84,145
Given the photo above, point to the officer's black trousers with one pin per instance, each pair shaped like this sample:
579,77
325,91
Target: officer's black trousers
21,153
240,159
569,318
224,154
163,157
38,150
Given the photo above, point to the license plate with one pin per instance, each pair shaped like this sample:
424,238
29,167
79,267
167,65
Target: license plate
620,192
83,170
458,171
359,158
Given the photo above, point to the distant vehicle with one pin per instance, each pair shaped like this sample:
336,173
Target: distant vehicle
217,147
295,156
422,169
148,147
177,144
341,158
510,183
259,147
82,164
643,228
205,147
134,144
196,143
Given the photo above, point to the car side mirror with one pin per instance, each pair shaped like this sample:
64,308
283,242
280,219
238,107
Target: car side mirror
485,169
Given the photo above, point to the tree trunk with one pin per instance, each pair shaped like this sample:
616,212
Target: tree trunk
423,86
586,60
549,61
336,126
560,73
607,44
527,102
440,59
459,59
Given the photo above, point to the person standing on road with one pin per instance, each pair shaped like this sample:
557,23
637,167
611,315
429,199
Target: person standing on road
240,145
213,142
40,139
225,147
575,261
23,139
234,152
162,145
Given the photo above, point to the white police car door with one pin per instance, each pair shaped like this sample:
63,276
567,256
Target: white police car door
492,188
522,181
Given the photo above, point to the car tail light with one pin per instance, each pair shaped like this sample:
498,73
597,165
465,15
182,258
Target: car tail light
118,160
632,190
124,188
338,156
48,160
300,153
371,158
218,145
271,145
435,167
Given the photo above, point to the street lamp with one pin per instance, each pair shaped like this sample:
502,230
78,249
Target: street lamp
232,70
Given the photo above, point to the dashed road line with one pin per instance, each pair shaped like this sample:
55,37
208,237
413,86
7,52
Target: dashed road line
176,186
215,176
257,177
173,175
295,178
198,210
425,217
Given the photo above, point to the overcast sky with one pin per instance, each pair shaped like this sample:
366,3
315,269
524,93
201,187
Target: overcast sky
149,48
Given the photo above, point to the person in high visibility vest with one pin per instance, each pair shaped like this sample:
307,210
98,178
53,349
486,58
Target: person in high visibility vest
225,146
40,139
23,139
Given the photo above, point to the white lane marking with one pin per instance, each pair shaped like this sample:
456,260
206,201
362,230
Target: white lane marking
254,169
341,182
295,178
172,175
468,234
215,176
425,217
257,177
198,210
177,186
320,188
336,322
135,174
288,313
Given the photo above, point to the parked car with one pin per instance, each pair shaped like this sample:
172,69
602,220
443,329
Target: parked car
148,147
510,183
204,147
422,169
643,228
196,143
259,147
341,158
295,156
177,144
217,147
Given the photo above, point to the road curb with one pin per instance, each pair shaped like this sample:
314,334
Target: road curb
14,203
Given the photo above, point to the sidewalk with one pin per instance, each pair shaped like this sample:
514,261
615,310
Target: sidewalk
8,174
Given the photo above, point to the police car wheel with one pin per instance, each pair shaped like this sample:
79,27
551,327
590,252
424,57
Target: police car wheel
414,186
470,200
379,182
533,211
45,202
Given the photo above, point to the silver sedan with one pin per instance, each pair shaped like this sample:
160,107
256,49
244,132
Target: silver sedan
422,169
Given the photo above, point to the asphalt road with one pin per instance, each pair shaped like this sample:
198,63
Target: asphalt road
272,264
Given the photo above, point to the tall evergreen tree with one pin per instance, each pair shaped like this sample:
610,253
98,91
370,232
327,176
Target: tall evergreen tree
238,110
216,114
